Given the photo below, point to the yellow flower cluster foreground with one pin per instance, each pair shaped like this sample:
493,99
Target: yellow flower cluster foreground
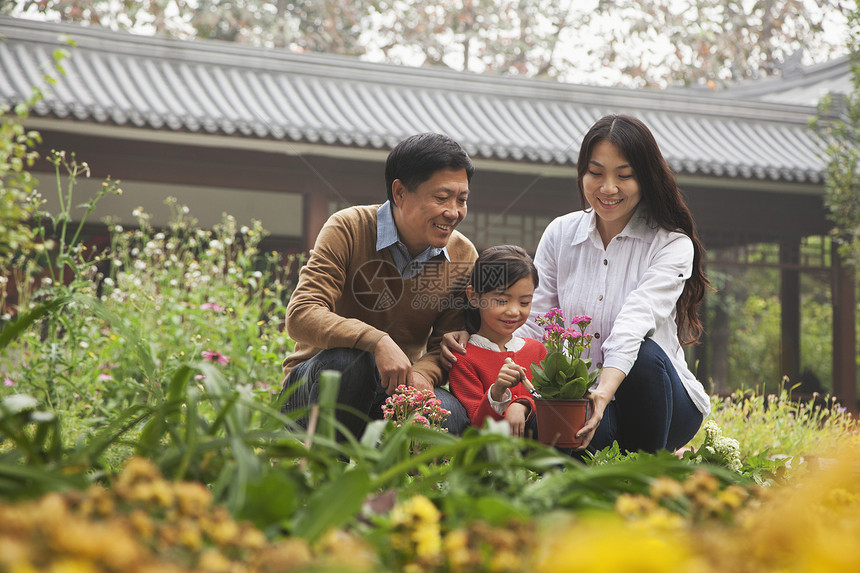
810,525
146,524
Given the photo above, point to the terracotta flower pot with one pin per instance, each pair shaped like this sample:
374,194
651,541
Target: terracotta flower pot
558,421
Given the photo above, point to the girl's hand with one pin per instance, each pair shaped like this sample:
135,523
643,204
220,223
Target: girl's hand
516,417
509,376
452,342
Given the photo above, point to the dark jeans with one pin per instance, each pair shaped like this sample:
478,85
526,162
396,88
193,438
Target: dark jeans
360,389
652,410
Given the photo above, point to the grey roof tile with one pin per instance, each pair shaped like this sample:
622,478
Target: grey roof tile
237,91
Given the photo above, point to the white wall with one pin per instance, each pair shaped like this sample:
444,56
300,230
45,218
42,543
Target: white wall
280,213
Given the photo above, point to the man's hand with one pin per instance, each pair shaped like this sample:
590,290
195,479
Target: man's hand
516,417
453,343
393,365
419,382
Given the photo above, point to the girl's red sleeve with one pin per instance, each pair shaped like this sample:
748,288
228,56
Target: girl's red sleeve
467,386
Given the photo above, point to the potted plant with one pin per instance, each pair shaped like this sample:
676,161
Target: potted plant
562,378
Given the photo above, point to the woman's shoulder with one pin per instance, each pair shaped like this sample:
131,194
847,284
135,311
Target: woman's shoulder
568,225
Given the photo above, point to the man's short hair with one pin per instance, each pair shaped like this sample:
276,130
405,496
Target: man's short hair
415,159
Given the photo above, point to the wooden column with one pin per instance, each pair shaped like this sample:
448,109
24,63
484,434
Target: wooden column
315,216
844,297
789,298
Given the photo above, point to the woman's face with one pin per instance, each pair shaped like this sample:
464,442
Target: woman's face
611,189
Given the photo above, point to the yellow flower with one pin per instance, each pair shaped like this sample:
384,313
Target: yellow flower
72,566
701,481
223,530
603,543
213,561
666,487
342,551
428,541
193,498
141,523
456,546
290,554
733,496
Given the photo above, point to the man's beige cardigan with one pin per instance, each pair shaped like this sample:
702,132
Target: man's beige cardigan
349,295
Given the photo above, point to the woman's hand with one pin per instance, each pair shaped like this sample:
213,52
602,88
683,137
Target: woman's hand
453,343
516,417
610,380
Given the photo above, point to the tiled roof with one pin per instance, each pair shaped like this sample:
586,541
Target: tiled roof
804,85
227,89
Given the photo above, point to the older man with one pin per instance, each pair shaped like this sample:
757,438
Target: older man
380,287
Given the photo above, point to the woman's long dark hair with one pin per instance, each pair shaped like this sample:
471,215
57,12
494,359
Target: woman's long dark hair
661,198
497,267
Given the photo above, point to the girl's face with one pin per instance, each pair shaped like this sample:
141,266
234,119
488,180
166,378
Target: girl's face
503,310
611,189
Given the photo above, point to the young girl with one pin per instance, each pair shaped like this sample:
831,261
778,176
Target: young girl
488,378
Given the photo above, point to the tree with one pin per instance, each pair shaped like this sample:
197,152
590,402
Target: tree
661,42
839,123
650,42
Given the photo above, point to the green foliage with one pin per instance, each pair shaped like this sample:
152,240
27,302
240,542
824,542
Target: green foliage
18,197
773,424
839,124
746,300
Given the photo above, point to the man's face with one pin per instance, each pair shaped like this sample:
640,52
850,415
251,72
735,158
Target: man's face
428,214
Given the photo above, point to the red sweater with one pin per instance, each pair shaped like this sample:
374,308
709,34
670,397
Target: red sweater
477,370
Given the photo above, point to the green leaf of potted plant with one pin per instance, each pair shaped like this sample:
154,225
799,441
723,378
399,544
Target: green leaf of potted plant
562,379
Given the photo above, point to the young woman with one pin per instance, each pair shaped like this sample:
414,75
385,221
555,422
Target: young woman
488,378
631,259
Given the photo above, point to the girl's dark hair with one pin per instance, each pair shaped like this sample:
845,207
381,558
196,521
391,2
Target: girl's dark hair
497,267
661,199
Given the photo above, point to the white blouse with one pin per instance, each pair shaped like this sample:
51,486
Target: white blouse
629,289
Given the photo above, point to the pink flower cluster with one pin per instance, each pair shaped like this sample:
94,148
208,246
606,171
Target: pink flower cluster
409,405
572,341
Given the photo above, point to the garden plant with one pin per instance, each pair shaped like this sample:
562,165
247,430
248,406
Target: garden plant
140,429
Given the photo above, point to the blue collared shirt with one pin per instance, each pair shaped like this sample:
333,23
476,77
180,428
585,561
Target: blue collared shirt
387,238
